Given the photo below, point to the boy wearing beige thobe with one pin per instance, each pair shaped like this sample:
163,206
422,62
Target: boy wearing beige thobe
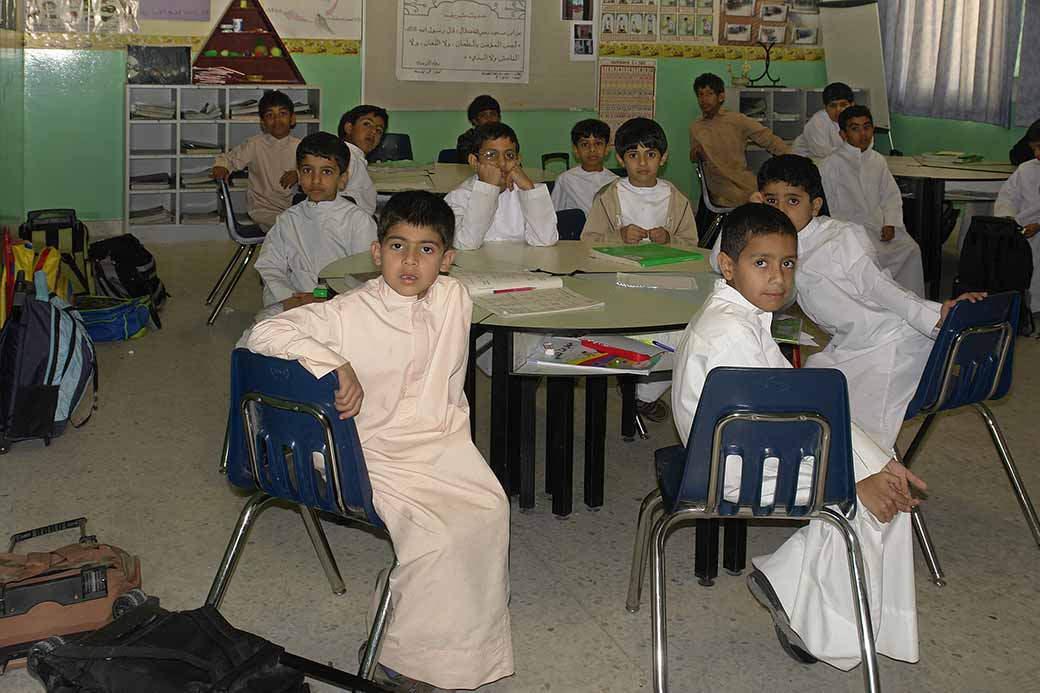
399,345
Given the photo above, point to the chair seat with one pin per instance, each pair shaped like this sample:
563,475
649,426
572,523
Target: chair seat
670,463
250,232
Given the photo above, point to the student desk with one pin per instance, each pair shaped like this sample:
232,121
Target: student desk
627,311
437,178
929,187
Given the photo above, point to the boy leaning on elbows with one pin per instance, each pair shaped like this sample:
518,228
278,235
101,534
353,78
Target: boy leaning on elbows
308,236
500,202
362,128
271,158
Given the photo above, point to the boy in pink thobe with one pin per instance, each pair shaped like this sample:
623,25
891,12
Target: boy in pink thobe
399,346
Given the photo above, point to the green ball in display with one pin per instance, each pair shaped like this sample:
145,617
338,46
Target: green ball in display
276,52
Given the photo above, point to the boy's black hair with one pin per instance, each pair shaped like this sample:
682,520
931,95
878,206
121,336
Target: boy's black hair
752,219
590,127
855,111
489,131
1033,133
796,171
836,91
710,80
418,208
353,114
327,146
274,99
484,102
640,131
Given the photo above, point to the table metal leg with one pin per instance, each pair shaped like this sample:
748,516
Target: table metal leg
595,439
526,440
706,552
559,442
734,546
501,365
470,386
515,425
628,407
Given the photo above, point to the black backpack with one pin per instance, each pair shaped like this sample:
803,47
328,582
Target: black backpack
123,268
997,257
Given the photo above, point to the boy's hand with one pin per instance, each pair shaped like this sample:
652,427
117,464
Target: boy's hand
1029,230
490,173
696,151
631,233
219,173
518,176
972,296
887,233
349,394
289,178
300,299
907,479
659,234
885,494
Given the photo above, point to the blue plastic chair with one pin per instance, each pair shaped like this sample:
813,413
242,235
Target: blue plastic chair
756,413
247,236
970,363
569,223
719,213
285,441
395,146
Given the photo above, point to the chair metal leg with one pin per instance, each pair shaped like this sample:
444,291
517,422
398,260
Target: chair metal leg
226,450
924,540
375,635
857,575
321,547
246,518
659,612
650,506
641,426
225,273
915,444
231,286
1012,471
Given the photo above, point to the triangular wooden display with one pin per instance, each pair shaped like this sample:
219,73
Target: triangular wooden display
245,55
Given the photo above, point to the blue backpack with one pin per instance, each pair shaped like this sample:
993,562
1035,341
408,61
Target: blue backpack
47,360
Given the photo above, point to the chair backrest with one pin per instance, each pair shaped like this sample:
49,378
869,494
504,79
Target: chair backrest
562,157
971,358
777,420
395,146
569,223
995,257
706,194
285,437
619,172
449,156
239,232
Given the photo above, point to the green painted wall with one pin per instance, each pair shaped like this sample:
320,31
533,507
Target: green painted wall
12,89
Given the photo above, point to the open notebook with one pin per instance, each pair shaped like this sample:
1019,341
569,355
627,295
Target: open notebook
516,294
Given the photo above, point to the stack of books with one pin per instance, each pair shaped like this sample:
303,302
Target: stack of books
197,179
245,110
196,147
216,75
151,111
646,254
207,112
948,158
151,215
151,181
302,109
211,217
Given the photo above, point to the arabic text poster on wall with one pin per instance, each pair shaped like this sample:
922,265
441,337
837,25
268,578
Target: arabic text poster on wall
464,41
627,89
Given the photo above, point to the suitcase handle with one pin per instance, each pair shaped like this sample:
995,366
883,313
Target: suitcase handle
65,214
19,537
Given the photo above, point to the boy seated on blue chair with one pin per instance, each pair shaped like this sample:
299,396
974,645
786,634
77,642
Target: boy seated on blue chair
805,583
399,345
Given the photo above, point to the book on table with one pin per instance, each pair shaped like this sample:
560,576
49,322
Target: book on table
646,254
517,294
947,158
569,354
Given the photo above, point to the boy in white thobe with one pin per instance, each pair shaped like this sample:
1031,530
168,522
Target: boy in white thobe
500,202
861,189
821,136
313,233
399,345
805,583
575,187
362,128
1019,199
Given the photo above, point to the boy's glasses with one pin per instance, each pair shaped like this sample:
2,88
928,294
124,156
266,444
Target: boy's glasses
491,155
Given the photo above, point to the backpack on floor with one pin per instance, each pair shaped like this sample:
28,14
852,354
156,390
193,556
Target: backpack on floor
61,230
47,361
110,319
124,268
21,257
997,257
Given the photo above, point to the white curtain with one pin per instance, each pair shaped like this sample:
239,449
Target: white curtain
951,58
1027,108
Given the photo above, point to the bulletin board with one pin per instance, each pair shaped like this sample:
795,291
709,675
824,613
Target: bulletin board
783,22
555,80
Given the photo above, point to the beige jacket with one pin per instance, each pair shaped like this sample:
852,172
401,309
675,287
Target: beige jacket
604,222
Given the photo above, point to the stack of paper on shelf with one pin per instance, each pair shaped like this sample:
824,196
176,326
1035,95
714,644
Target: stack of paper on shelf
151,181
237,182
517,294
196,147
245,110
151,111
197,179
211,217
151,215
302,109
208,111
216,75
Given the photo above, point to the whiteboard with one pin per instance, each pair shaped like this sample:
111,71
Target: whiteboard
852,50
554,81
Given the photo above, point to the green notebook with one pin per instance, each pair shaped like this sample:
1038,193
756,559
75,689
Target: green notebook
647,254
786,329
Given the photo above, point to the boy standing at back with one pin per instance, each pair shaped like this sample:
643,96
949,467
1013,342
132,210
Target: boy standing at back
820,137
1019,199
861,189
313,233
718,140
575,188
500,202
362,128
805,583
398,345
271,158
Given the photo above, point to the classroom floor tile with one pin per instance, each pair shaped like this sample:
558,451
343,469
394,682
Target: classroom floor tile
144,471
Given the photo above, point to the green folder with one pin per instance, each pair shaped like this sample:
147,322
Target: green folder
786,329
648,254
